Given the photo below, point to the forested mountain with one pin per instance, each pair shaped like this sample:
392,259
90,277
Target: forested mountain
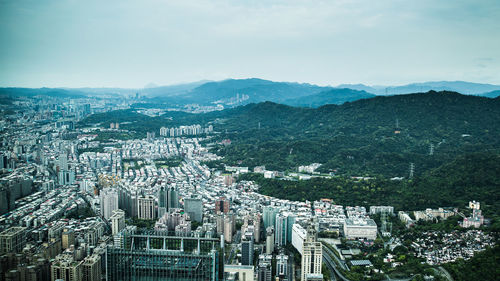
238,91
333,96
377,136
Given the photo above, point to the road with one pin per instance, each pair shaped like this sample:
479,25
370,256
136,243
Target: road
446,273
327,257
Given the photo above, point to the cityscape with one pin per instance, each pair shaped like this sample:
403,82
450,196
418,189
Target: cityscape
78,208
215,140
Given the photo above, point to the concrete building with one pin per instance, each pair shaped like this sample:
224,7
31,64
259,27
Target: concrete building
12,240
117,221
311,257
269,216
242,272
194,207
269,240
381,209
222,206
109,202
360,229
299,235
68,238
91,268
66,268
146,207
280,230
282,271
264,269
247,248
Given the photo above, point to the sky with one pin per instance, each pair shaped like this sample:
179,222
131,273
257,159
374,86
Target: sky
129,44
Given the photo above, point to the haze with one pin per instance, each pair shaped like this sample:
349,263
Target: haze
132,43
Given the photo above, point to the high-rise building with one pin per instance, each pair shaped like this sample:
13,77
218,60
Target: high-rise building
280,230
91,268
158,257
290,220
68,238
311,256
299,235
282,267
247,248
270,240
66,177
222,206
264,269
63,161
228,228
109,202
12,240
117,221
269,216
66,268
194,207
146,207
168,198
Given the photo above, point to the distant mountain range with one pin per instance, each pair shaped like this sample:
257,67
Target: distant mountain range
235,92
466,88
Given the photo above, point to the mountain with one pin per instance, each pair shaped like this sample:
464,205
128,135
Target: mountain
50,92
243,91
355,138
333,96
492,94
462,87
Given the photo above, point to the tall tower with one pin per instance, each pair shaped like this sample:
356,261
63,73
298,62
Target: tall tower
311,255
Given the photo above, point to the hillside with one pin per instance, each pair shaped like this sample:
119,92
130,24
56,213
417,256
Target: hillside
471,176
249,90
355,138
333,96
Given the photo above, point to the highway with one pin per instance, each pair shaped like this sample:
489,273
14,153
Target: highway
330,263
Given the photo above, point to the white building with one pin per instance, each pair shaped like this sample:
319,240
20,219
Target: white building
381,209
360,228
299,235
109,202
117,221
312,256
146,207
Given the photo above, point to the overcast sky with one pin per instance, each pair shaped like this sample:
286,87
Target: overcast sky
123,43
